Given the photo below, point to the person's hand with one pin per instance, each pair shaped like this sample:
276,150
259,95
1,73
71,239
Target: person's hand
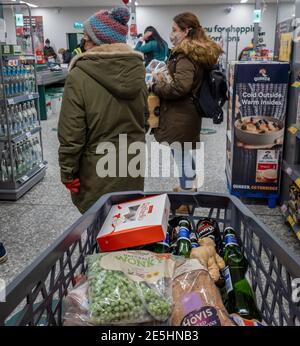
147,35
73,186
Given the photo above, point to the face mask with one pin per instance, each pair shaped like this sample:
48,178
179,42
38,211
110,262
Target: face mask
177,37
47,45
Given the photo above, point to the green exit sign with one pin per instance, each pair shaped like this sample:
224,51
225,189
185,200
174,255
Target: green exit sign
19,20
78,25
257,16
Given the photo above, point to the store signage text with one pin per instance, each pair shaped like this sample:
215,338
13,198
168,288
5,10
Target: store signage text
217,32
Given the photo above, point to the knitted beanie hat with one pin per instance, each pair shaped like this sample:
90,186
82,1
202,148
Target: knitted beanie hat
107,27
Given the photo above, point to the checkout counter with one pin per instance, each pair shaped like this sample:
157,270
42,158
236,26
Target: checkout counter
45,79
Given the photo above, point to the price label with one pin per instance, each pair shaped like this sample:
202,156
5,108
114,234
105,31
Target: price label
11,101
293,130
30,97
42,165
25,178
296,85
291,221
28,134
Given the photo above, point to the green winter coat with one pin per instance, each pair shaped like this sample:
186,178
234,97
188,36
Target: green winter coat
105,96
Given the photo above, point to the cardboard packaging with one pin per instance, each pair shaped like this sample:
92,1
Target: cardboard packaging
135,223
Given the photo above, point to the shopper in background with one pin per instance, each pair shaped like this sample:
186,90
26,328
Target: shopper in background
179,120
3,254
105,96
80,48
66,55
49,52
152,46
246,50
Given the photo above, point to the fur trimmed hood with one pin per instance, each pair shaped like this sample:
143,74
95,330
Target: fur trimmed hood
206,53
106,51
117,67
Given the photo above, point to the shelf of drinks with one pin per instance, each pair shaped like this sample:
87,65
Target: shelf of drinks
24,178
14,190
21,57
295,130
293,171
24,136
19,99
290,219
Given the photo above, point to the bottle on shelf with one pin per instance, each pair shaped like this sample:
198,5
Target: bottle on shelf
240,297
38,149
34,113
21,161
184,246
3,168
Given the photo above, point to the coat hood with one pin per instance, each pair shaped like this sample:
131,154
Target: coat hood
117,67
206,53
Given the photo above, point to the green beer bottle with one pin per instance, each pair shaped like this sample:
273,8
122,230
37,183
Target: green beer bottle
184,245
194,240
240,297
162,247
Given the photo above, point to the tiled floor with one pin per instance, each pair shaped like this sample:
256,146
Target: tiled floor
29,226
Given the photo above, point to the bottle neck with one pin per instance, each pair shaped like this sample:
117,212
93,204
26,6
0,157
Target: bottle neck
230,240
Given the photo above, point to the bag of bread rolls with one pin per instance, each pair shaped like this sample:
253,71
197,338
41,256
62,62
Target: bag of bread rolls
197,301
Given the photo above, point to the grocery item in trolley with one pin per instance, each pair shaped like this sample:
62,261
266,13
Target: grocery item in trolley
207,256
208,227
130,287
136,223
242,322
197,301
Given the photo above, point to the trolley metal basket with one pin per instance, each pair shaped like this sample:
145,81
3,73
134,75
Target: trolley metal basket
35,297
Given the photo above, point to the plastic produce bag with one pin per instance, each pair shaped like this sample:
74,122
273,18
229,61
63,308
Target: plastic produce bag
76,305
197,301
159,68
130,287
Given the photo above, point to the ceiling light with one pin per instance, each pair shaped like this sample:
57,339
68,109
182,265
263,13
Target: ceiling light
244,1
136,3
29,4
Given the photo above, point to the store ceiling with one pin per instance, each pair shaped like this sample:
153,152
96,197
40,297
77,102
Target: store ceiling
99,3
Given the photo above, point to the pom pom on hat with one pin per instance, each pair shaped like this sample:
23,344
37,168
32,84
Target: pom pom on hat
120,14
107,27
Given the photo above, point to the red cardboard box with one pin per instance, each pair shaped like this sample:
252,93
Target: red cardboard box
135,223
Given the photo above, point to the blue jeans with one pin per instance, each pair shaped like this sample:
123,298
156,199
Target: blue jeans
185,163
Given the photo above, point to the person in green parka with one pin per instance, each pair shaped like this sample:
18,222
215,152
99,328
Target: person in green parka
105,96
152,45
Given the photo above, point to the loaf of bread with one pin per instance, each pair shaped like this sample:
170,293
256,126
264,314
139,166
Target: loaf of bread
197,301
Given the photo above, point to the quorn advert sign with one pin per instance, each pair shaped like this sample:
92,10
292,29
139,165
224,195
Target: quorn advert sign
256,125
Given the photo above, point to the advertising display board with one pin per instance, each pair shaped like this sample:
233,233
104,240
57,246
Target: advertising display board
256,125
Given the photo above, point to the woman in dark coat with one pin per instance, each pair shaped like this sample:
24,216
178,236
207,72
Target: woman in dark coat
179,120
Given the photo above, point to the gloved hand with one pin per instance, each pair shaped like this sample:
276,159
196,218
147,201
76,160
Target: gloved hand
73,186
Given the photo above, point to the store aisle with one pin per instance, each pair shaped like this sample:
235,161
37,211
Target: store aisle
31,224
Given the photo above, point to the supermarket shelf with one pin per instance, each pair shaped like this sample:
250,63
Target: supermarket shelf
295,131
293,171
294,225
19,99
18,56
23,136
13,191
